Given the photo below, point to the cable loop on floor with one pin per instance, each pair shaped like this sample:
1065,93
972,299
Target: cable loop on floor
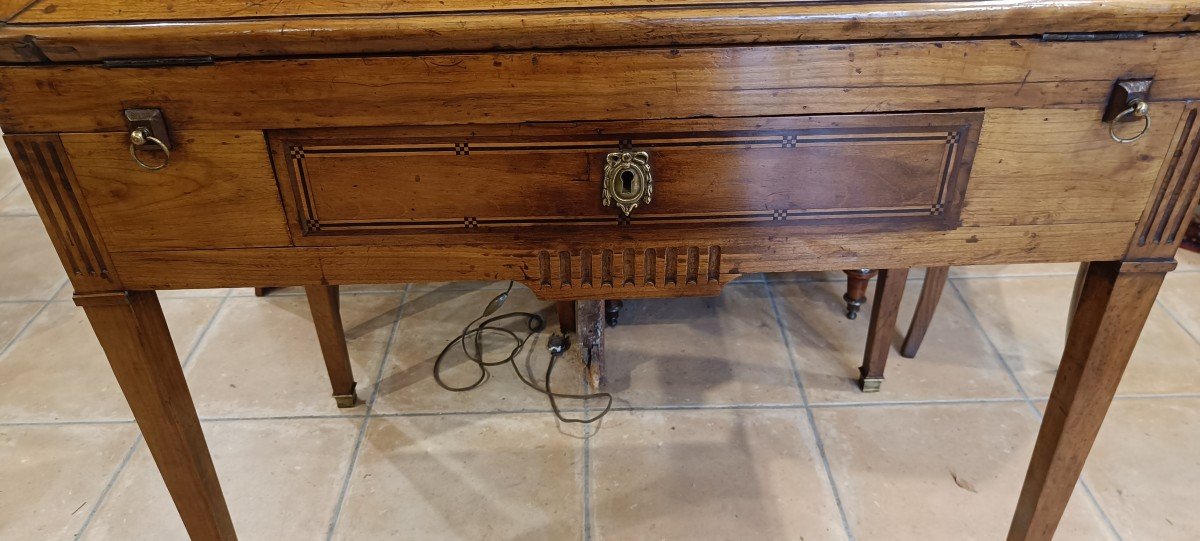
471,341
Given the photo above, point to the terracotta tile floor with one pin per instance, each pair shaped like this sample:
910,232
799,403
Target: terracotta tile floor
737,417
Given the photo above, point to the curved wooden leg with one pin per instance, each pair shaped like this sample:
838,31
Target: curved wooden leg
327,318
1114,301
134,335
931,293
888,293
856,290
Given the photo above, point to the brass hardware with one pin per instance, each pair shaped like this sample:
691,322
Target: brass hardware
148,132
1129,102
1136,109
347,400
627,180
138,138
870,385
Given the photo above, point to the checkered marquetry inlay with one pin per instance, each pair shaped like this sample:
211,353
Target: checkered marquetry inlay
796,170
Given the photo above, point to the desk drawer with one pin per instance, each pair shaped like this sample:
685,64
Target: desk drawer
894,170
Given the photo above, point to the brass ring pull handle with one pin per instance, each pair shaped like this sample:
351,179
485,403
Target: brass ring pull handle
140,137
1136,109
627,180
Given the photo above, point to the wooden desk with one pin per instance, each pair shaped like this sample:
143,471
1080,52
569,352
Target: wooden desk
323,143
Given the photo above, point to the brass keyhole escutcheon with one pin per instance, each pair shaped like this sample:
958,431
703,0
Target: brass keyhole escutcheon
627,180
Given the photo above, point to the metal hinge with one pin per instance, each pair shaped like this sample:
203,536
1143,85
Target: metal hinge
159,62
1093,36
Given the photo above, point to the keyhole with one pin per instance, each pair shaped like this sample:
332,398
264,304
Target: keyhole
627,182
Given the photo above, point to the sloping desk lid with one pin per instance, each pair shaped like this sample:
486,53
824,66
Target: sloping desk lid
46,31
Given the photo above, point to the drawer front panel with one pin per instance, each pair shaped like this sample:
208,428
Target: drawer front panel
906,170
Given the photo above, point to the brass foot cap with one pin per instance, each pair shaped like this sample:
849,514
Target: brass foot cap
347,400
870,385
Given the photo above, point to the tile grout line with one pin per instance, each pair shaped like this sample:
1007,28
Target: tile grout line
587,466
112,480
624,409
99,422
21,332
997,355
203,334
1033,407
812,421
1143,396
108,486
35,301
1158,302
587,485
362,429
11,190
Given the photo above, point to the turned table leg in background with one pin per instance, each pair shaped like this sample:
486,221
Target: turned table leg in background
888,292
612,312
1114,300
325,305
134,335
856,290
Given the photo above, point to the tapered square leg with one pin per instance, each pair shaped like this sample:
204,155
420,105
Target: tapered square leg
1112,304
889,290
325,305
134,335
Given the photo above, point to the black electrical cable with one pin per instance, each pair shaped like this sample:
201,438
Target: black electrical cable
474,333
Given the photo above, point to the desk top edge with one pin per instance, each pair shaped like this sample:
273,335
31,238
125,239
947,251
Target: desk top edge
61,31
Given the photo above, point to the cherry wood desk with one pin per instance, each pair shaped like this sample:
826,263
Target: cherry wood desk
601,149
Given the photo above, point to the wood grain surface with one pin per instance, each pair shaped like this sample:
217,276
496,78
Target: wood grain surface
575,86
65,31
903,170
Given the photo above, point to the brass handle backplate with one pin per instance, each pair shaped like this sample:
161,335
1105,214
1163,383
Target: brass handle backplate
627,180
1128,103
148,133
